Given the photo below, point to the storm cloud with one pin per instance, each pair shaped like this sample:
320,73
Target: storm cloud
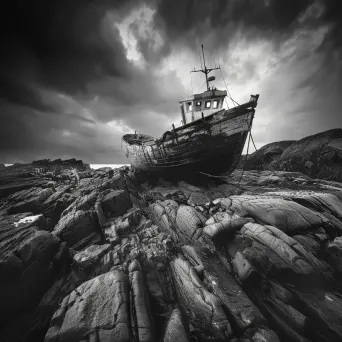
77,75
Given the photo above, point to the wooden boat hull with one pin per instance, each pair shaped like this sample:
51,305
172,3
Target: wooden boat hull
212,144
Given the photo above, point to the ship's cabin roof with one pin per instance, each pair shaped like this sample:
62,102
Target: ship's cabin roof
211,93
207,103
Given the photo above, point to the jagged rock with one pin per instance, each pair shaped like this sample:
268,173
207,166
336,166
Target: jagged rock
243,313
238,272
90,255
324,309
28,200
81,203
142,320
97,310
334,254
75,226
40,322
163,214
116,202
201,306
55,204
189,222
228,190
220,216
243,267
97,184
318,156
11,183
91,262
276,304
91,239
27,264
327,204
264,335
175,329
288,249
285,215
198,198
134,266
309,243
261,159
224,203
221,231
111,234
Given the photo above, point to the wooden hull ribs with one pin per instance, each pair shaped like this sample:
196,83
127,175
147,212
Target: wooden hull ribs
212,144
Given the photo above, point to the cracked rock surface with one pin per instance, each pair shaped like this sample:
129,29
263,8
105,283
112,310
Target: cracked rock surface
109,255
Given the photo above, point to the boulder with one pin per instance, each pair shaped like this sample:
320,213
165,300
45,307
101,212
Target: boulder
285,215
175,329
116,202
83,203
318,156
142,318
261,159
98,309
243,313
334,254
202,307
189,222
27,265
88,257
221,231
91,262
75,226
288,249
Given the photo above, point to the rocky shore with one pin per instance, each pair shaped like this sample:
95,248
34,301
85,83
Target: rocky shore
108,255
318,156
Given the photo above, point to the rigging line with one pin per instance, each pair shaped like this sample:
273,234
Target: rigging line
227,103
202,85
218,65
192,88
243,168
230,96
256,150
217,61
199,88
225,82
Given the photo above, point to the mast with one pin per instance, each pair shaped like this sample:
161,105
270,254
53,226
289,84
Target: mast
205,71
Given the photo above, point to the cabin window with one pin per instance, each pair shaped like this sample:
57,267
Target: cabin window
207,104
215,104
189,106
198,104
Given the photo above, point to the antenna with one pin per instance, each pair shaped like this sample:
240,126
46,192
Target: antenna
199,53
205,70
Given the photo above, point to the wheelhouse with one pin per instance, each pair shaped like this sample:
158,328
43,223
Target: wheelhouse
207,103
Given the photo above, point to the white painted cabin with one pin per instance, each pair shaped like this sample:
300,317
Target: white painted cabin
208,102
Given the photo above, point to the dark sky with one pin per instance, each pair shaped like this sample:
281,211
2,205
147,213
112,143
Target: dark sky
77,75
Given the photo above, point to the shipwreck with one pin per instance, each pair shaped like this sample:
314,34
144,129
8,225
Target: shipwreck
210,138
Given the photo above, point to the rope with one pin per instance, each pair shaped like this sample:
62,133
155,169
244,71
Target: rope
227,103
254,144
277,175
243,169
